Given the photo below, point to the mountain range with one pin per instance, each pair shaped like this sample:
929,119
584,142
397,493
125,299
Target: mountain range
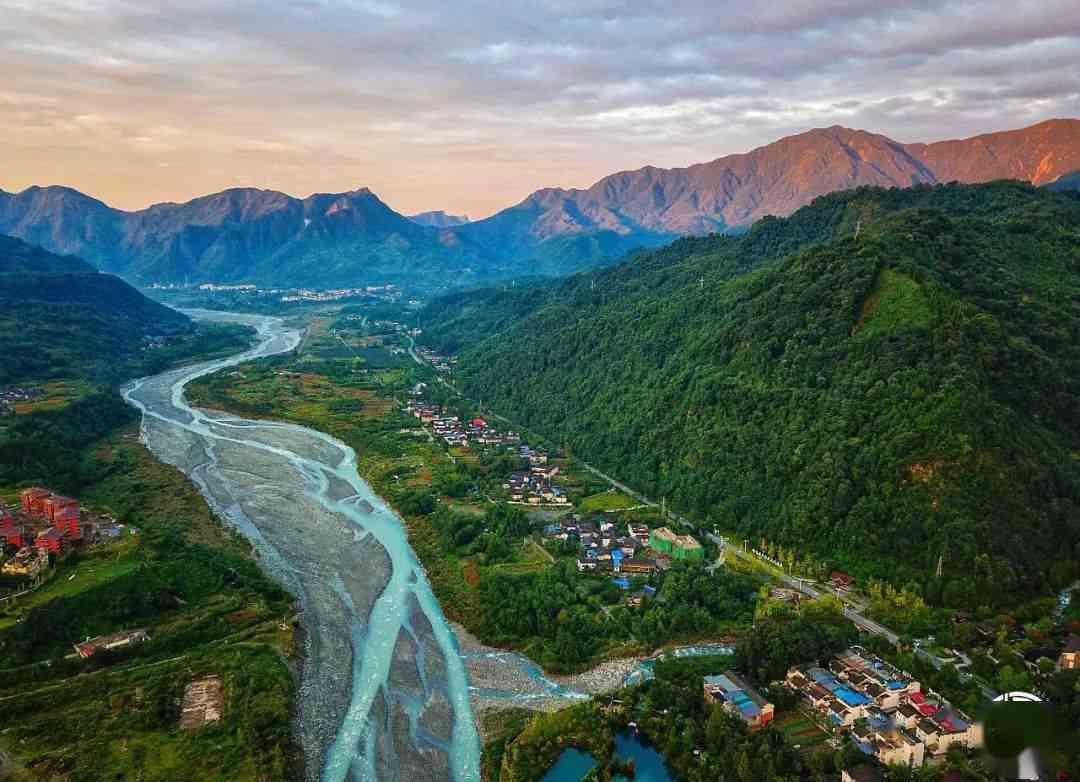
889,378
354,238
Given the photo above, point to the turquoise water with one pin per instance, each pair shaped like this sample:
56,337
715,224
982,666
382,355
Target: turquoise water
572,765
649,764
384,693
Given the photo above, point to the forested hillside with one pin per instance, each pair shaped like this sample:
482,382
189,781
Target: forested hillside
59,318
894,402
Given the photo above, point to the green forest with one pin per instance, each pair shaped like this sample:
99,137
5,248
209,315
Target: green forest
888,379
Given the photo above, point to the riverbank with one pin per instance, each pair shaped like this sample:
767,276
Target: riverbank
383,692
192,584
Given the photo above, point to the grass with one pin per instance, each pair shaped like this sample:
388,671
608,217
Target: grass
896,302
74,576
607,501
122,724
532,560
800,730
116,717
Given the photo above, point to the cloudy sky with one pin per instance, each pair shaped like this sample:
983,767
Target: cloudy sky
470,105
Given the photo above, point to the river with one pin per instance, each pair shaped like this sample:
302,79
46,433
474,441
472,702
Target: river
384,689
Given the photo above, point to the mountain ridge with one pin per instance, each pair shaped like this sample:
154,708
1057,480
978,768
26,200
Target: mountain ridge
339,239
937,355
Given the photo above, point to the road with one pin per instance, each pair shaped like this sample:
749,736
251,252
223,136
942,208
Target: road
798,584
801,585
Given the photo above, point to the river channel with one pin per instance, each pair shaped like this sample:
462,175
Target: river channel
384,689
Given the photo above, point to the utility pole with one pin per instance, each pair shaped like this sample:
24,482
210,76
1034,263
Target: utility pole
858,227
701,283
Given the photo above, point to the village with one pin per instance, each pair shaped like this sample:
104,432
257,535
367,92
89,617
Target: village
41,532
11,397
857,695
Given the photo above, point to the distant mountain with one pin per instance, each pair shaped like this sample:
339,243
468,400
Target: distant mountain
652,204
439,219
887,380
246,234
354,238
59,317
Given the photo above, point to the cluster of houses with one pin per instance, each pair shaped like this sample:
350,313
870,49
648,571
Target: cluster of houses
883,710
607,545
10,397
378,292
452,430
438,361
44,524
536,485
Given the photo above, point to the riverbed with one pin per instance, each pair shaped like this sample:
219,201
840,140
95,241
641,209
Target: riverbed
389,690
383,691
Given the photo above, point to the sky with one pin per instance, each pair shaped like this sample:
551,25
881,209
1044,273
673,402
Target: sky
469,106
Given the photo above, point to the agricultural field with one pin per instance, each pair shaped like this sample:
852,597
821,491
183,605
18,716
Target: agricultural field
802,732
610,500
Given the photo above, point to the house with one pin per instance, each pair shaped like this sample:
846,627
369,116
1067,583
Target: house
1069,658
51,540
56,507
18,535
27,563
738,698
907,716
676,546
120,640
841,581
641,566
33,499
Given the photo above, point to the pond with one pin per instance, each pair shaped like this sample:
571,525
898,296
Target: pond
649,764
572,765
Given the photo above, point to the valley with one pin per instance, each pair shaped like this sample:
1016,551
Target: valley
540,392
462,534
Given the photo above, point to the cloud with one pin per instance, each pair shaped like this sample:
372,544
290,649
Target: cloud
469,106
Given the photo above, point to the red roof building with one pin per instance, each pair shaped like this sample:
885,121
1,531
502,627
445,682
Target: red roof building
57,507
7,521
16,536
33,500
52,540
841,580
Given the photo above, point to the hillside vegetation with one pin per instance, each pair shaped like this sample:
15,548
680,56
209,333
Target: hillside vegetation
896,403
60,318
